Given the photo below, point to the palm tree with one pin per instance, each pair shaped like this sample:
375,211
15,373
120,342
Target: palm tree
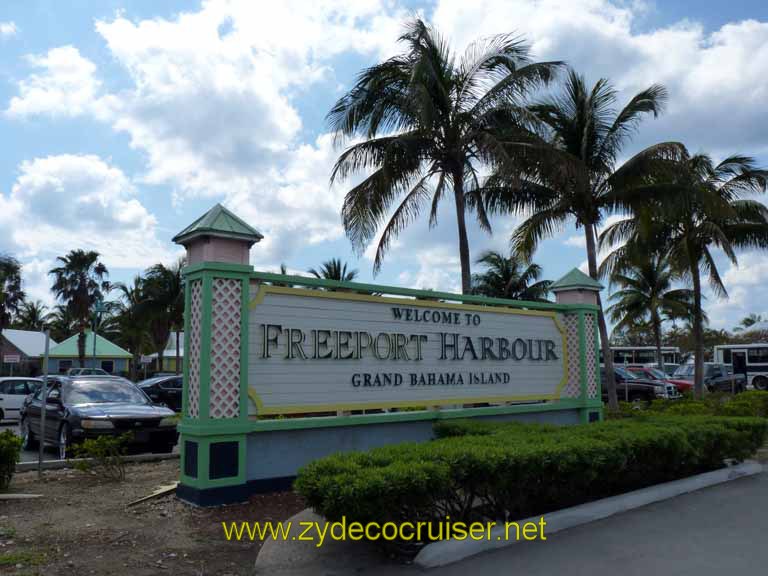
509,277
692,209
748,322
80,282
61,323
132,319
11,294
33,316
564,168
428,123
334,269
646,295
164,289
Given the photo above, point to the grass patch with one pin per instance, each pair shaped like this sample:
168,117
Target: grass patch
23,557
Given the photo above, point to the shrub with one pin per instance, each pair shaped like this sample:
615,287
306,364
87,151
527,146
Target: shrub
10,449
103,455
511,470
752,404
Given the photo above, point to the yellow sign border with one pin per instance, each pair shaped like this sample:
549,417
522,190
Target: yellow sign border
303,292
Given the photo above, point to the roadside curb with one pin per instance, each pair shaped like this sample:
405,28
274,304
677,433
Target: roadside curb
57,464
449,551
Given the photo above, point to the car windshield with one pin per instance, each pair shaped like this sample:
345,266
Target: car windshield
100,391
685,370
626,374
657,374
150,381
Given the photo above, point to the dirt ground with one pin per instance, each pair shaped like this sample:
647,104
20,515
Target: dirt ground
82,526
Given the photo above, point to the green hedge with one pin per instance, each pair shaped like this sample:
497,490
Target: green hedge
752,403
511,470
10,449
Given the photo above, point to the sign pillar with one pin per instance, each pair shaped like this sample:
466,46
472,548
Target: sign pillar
578,288
215,401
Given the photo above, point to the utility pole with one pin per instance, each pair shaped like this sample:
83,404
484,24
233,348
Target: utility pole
97,310
43,407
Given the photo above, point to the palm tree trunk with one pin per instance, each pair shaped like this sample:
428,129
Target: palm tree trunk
160,360
610,379
178,353
698,333
81,346
657,339
135,364
458,192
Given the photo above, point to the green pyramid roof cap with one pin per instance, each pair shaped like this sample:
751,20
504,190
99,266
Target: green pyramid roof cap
104,348
218,221
576,279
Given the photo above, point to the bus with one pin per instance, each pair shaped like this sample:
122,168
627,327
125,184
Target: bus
749,359
643,355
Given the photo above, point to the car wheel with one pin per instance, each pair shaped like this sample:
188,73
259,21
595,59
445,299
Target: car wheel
27,438
65,442
760,383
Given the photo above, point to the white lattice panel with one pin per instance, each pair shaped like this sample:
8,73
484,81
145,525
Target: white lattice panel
571,324
225,348
593,387
193,348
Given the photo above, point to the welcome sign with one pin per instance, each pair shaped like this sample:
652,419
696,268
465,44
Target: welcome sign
313,350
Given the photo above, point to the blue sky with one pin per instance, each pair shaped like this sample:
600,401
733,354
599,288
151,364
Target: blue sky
124,120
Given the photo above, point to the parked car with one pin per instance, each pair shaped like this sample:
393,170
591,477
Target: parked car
658,375
81,408
631,388
164,390
87,372
717,377
13,390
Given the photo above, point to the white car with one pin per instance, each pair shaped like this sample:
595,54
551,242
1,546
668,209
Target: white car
13,390
73,372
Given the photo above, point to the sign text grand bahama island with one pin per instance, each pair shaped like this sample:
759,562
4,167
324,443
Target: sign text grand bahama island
282,370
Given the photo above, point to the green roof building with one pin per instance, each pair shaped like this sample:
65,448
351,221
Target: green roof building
109,356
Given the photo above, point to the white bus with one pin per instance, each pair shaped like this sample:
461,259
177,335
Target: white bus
643,355
749,359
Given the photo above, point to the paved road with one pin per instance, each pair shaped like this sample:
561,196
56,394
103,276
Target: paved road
719,531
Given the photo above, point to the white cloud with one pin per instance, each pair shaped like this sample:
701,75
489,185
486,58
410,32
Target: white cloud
8,29
716,80
65,85
59,203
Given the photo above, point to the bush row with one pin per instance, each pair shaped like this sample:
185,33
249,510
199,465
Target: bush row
752,403
478,470
10,449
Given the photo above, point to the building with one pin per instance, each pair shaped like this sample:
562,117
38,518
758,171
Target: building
26,346
169,356
109,356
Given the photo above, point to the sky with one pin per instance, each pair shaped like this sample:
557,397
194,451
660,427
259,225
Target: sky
122,121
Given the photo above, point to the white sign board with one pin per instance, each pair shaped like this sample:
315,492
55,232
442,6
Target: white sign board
312,351
11,358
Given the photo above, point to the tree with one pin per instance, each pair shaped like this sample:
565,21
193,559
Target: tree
692,209
646,294
334,269
428,123
80,282
11,294
33,316
563,167
748,321
61,323
132,320
164,289
509,277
